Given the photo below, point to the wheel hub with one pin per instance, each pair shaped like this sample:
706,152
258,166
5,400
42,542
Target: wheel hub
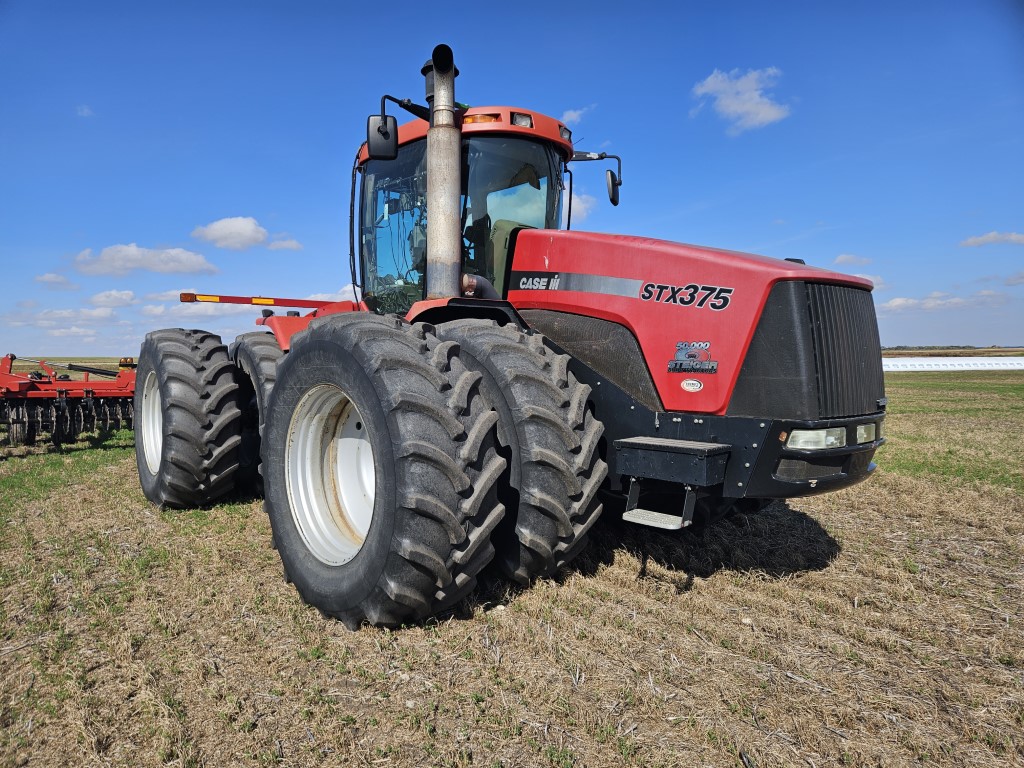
330,474
152,423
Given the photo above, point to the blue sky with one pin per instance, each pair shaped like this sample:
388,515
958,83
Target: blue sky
148,148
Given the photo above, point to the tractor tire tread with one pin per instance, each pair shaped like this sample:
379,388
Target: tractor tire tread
201,418
553,439
255,357
446,497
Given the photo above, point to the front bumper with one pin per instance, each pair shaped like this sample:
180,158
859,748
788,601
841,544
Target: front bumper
746,457
782,472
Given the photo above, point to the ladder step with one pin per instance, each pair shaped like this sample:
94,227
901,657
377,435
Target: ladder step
653,519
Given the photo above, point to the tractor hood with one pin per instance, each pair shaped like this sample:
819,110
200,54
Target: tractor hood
693,310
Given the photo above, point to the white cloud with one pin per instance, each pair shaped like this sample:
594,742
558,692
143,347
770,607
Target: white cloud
878,281
168,295
51,316
1017,279
285,245
235,232
573,116
212,309
345,293
113,299
27,304
122,259
582,205
741,100
56,282
154,310
994,237
849,258
84,110
73,331
939,301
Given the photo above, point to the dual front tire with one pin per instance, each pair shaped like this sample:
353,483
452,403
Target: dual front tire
382,470
395,458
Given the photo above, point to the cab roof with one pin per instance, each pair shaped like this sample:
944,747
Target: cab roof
495,120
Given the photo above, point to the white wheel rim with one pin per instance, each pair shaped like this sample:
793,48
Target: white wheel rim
330,474
152,423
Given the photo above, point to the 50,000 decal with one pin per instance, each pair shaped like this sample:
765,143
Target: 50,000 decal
713,296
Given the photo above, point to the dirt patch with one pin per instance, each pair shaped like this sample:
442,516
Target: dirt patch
877,626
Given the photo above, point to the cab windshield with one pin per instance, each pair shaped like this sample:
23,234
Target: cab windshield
507,183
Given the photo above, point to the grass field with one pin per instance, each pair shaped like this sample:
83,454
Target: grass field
882,625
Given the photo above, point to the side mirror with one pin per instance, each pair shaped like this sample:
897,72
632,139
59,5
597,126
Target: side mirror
613,183
382,137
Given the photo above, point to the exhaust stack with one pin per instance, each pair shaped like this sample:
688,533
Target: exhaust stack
444,182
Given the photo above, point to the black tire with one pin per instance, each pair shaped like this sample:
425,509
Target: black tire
187,419
551,439
255,356
416,415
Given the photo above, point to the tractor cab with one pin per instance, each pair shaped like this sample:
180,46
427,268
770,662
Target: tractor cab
512,170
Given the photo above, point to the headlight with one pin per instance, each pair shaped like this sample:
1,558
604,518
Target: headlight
817,439
866,433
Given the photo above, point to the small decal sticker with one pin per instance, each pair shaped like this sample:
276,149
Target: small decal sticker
693,357
692,385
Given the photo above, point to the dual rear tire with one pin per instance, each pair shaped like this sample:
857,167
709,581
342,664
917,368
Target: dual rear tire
187,419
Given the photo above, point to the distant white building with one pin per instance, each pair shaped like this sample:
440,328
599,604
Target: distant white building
953,363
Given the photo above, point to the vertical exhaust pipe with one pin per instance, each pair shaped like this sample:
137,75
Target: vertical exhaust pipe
444,182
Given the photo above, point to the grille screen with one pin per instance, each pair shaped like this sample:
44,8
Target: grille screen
815,355
847,352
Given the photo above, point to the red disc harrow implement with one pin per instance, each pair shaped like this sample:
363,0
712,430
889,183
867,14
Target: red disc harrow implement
43,402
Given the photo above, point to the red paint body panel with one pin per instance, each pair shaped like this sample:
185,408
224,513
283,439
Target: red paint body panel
284,326
421,307
658,325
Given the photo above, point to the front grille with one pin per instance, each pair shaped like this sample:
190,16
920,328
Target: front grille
847,351
815,355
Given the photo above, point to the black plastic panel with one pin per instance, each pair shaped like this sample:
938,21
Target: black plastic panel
608,348
778,377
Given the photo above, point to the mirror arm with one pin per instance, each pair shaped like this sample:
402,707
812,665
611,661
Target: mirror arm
583,156
416,110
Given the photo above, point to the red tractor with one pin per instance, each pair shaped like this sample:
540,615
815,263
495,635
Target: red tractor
496,380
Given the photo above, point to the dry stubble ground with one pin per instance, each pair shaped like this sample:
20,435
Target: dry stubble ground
878,626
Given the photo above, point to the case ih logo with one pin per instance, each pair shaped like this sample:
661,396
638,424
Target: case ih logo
538,282
693,357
